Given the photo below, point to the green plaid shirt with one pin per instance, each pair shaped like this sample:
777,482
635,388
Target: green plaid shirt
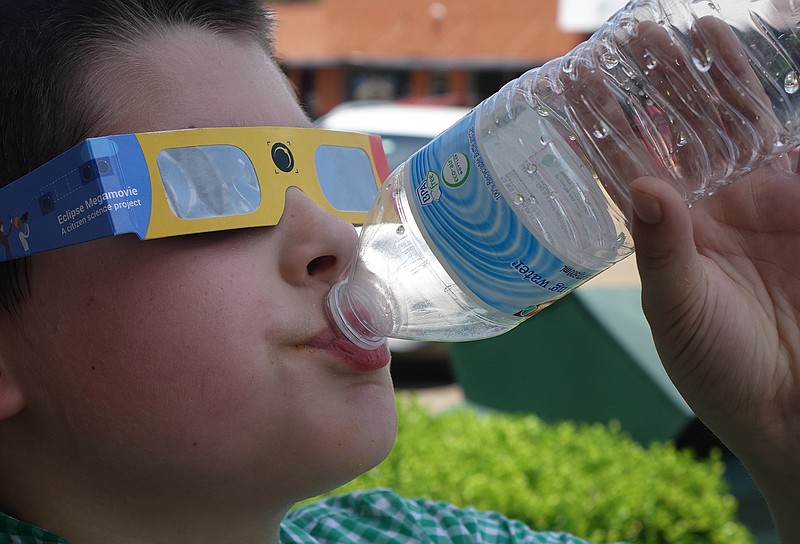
373,517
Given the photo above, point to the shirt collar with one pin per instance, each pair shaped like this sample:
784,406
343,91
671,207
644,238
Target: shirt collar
14,531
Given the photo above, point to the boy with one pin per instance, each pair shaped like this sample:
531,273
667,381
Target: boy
190,389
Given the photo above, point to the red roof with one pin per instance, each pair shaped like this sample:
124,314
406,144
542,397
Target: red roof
420,32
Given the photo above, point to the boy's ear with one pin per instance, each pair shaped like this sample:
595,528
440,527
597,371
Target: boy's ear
11,398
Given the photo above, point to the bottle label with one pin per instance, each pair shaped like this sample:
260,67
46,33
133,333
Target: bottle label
468,218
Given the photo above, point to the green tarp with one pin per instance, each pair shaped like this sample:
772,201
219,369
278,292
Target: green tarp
589,357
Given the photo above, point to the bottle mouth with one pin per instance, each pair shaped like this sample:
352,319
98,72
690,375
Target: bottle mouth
350,319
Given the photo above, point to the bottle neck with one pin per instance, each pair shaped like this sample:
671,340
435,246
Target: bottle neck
351,319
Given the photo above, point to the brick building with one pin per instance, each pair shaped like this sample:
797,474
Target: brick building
450,51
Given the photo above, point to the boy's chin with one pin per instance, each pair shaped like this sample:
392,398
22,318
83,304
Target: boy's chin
353,464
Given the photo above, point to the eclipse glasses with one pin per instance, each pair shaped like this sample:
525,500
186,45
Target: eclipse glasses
159,184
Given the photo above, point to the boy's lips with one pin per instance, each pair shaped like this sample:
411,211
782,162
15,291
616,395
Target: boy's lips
357,358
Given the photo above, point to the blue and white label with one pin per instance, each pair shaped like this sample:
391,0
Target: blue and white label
473,229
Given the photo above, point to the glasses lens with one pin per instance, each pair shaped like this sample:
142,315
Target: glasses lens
208,181
346,178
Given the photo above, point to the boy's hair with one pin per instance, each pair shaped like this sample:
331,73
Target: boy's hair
46,47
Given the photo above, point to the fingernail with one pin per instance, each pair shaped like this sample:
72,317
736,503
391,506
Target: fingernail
647,208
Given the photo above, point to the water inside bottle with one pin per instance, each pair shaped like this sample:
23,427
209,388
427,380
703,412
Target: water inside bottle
409,291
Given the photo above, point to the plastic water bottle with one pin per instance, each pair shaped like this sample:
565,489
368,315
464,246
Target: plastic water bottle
526,197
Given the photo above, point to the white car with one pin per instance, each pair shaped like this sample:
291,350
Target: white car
404,128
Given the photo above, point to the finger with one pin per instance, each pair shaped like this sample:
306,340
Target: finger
677,109
743,105
605,133
730,63
668,262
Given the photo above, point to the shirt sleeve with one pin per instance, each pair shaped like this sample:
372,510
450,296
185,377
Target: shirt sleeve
382,517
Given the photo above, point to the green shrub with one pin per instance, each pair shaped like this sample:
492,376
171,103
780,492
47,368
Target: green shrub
589,480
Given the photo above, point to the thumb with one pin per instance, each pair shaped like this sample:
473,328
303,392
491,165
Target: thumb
668,262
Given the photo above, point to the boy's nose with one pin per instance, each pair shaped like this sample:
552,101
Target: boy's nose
318,246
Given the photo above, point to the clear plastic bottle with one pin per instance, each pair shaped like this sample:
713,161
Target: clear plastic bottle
526,197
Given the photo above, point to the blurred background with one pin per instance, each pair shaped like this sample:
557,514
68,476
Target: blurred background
409,69
423,51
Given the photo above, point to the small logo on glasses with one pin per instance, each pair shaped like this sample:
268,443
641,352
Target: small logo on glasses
282,157
46,203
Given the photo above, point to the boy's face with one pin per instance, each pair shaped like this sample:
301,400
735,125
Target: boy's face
203,361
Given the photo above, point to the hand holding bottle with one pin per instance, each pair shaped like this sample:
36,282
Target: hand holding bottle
722,294
721,286
720,280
